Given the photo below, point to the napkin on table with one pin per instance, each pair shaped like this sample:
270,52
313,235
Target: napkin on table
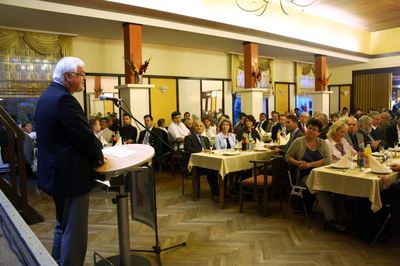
376,166
259,145
284,139
344,161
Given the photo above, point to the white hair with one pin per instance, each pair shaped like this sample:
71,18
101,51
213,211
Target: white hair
65,65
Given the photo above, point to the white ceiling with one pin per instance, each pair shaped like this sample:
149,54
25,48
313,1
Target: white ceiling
18,17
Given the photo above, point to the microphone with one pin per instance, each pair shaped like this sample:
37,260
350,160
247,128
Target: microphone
105,98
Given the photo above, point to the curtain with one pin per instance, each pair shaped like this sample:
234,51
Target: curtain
235,64
372,91
27,60
305,78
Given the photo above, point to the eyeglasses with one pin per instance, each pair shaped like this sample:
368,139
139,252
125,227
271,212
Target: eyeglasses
82,74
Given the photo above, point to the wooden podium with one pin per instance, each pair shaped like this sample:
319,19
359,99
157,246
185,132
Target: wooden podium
120,161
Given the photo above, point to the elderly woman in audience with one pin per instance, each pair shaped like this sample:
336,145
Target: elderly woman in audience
306,153
225,139
309,151
336,141
248,129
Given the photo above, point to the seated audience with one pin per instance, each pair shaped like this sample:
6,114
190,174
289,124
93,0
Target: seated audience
197,143
337,143
152,138
273,121
325,124
210,130
291,127
304,117
249,129
306,153
28,146
392,133
105,132
280,126
94,124
161,124
353,137
127,131
240,124
365,128
225,139
177,131
263,123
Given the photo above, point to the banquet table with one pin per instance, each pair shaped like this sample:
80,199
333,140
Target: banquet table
225,162
351,182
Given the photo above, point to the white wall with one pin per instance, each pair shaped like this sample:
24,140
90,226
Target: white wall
189,96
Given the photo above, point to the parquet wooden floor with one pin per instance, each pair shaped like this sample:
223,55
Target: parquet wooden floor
220,237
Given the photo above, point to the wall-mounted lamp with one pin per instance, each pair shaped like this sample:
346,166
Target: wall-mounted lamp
345,93
163,89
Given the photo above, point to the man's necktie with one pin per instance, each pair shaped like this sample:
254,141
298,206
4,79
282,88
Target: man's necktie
203,145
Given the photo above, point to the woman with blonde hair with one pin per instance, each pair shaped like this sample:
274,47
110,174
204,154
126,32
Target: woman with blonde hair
338,145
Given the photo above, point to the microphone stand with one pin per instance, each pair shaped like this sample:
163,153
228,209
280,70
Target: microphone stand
157,248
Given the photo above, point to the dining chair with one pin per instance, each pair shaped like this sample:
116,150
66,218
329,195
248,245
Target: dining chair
298,191
388,208
256,185
264,182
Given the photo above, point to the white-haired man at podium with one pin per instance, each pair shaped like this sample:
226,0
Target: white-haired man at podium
67,152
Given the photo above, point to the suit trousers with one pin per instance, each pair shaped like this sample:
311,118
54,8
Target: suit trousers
71,229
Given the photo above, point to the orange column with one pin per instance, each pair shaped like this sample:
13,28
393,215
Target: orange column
250,63
132,49
320,72
97,86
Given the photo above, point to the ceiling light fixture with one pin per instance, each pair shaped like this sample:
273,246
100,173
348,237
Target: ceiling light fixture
259,7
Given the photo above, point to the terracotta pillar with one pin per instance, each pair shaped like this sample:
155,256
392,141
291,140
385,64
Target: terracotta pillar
320,72
132,49
250,63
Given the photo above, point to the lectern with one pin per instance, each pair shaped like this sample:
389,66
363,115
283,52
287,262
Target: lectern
120,161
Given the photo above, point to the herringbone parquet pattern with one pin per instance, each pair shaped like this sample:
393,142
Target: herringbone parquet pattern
220,237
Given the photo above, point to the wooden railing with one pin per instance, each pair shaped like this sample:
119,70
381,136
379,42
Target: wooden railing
15,187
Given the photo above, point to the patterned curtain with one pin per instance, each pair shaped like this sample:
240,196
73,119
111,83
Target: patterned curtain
237,71
305,77
27,60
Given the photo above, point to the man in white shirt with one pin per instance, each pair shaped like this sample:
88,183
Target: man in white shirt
177,131
105,132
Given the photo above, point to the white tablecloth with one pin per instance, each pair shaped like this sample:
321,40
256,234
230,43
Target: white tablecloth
227,164
352,182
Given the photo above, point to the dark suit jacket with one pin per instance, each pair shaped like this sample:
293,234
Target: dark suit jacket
263,125
155,141
359,137
128,132
192,143
391,135
293,136
67,147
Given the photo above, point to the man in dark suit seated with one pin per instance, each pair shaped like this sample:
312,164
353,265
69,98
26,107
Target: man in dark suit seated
127,131
263,123
280,126
291,127
365,128
353,137
67,152
197,143
392,133
153,139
